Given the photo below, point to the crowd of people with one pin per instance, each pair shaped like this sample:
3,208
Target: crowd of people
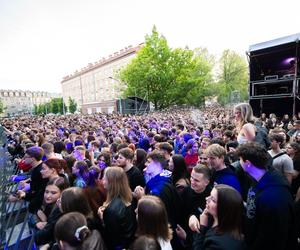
216,178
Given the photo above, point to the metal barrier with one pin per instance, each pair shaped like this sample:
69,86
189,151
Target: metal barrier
14,215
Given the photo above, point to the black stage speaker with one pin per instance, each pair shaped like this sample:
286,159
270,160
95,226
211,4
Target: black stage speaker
271,88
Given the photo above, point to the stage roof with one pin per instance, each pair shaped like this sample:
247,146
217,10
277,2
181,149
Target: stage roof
275,42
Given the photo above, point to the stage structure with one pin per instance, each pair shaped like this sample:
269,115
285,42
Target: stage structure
133,105
274,76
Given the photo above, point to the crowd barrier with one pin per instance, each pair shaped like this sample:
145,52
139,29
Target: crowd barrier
14,230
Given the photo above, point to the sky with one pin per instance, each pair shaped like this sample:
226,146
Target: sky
41,41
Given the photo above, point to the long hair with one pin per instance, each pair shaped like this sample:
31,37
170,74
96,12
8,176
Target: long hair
246,114
56,164
229,211
59,182
180,169
153,218
117,185
40,139
73,199
106,156
141,156
83,170
296,147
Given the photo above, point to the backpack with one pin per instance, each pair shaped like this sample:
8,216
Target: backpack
278,155
262,138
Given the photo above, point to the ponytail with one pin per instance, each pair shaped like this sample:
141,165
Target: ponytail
72,228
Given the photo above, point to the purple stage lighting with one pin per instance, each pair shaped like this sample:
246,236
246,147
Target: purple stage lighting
289,61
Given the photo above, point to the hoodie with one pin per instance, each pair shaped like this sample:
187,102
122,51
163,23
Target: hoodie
270,216
162,186
228,177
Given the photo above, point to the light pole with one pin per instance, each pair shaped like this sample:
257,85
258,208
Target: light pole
63,105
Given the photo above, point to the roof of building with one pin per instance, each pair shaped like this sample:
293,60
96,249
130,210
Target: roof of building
113,57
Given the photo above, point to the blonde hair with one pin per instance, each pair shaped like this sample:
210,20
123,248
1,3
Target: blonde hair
246,114
118,185
215,150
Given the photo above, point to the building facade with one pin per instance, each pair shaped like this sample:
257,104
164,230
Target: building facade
17,102
94,88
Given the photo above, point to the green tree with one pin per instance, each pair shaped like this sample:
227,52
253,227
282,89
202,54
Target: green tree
41,109
166,76
35,109
233,76
57,106
1,107
48,108
54,104
202,77
72,105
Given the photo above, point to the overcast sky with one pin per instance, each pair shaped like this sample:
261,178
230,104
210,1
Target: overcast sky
41,41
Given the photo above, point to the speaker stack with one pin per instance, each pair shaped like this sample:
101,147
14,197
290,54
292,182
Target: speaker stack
274,76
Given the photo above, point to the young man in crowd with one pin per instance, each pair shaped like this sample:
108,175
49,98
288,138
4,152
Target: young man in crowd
221,173
124,160
203,159
295,130
49,151
35,195
160,185
281,161
270,217
194,200
166,149
80,154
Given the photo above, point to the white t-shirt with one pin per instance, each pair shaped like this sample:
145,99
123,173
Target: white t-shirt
165,245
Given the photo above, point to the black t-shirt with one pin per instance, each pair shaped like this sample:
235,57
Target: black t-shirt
37,189
194,203
135,178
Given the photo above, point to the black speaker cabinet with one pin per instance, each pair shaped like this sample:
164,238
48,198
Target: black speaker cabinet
272,88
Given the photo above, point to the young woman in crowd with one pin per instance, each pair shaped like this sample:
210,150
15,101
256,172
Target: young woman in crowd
52,194
117,212
77,236
293,150
39,139
103,161
81,172
52,168
221,221
180,174
139,159
153,221
191,157
74,199
244,123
